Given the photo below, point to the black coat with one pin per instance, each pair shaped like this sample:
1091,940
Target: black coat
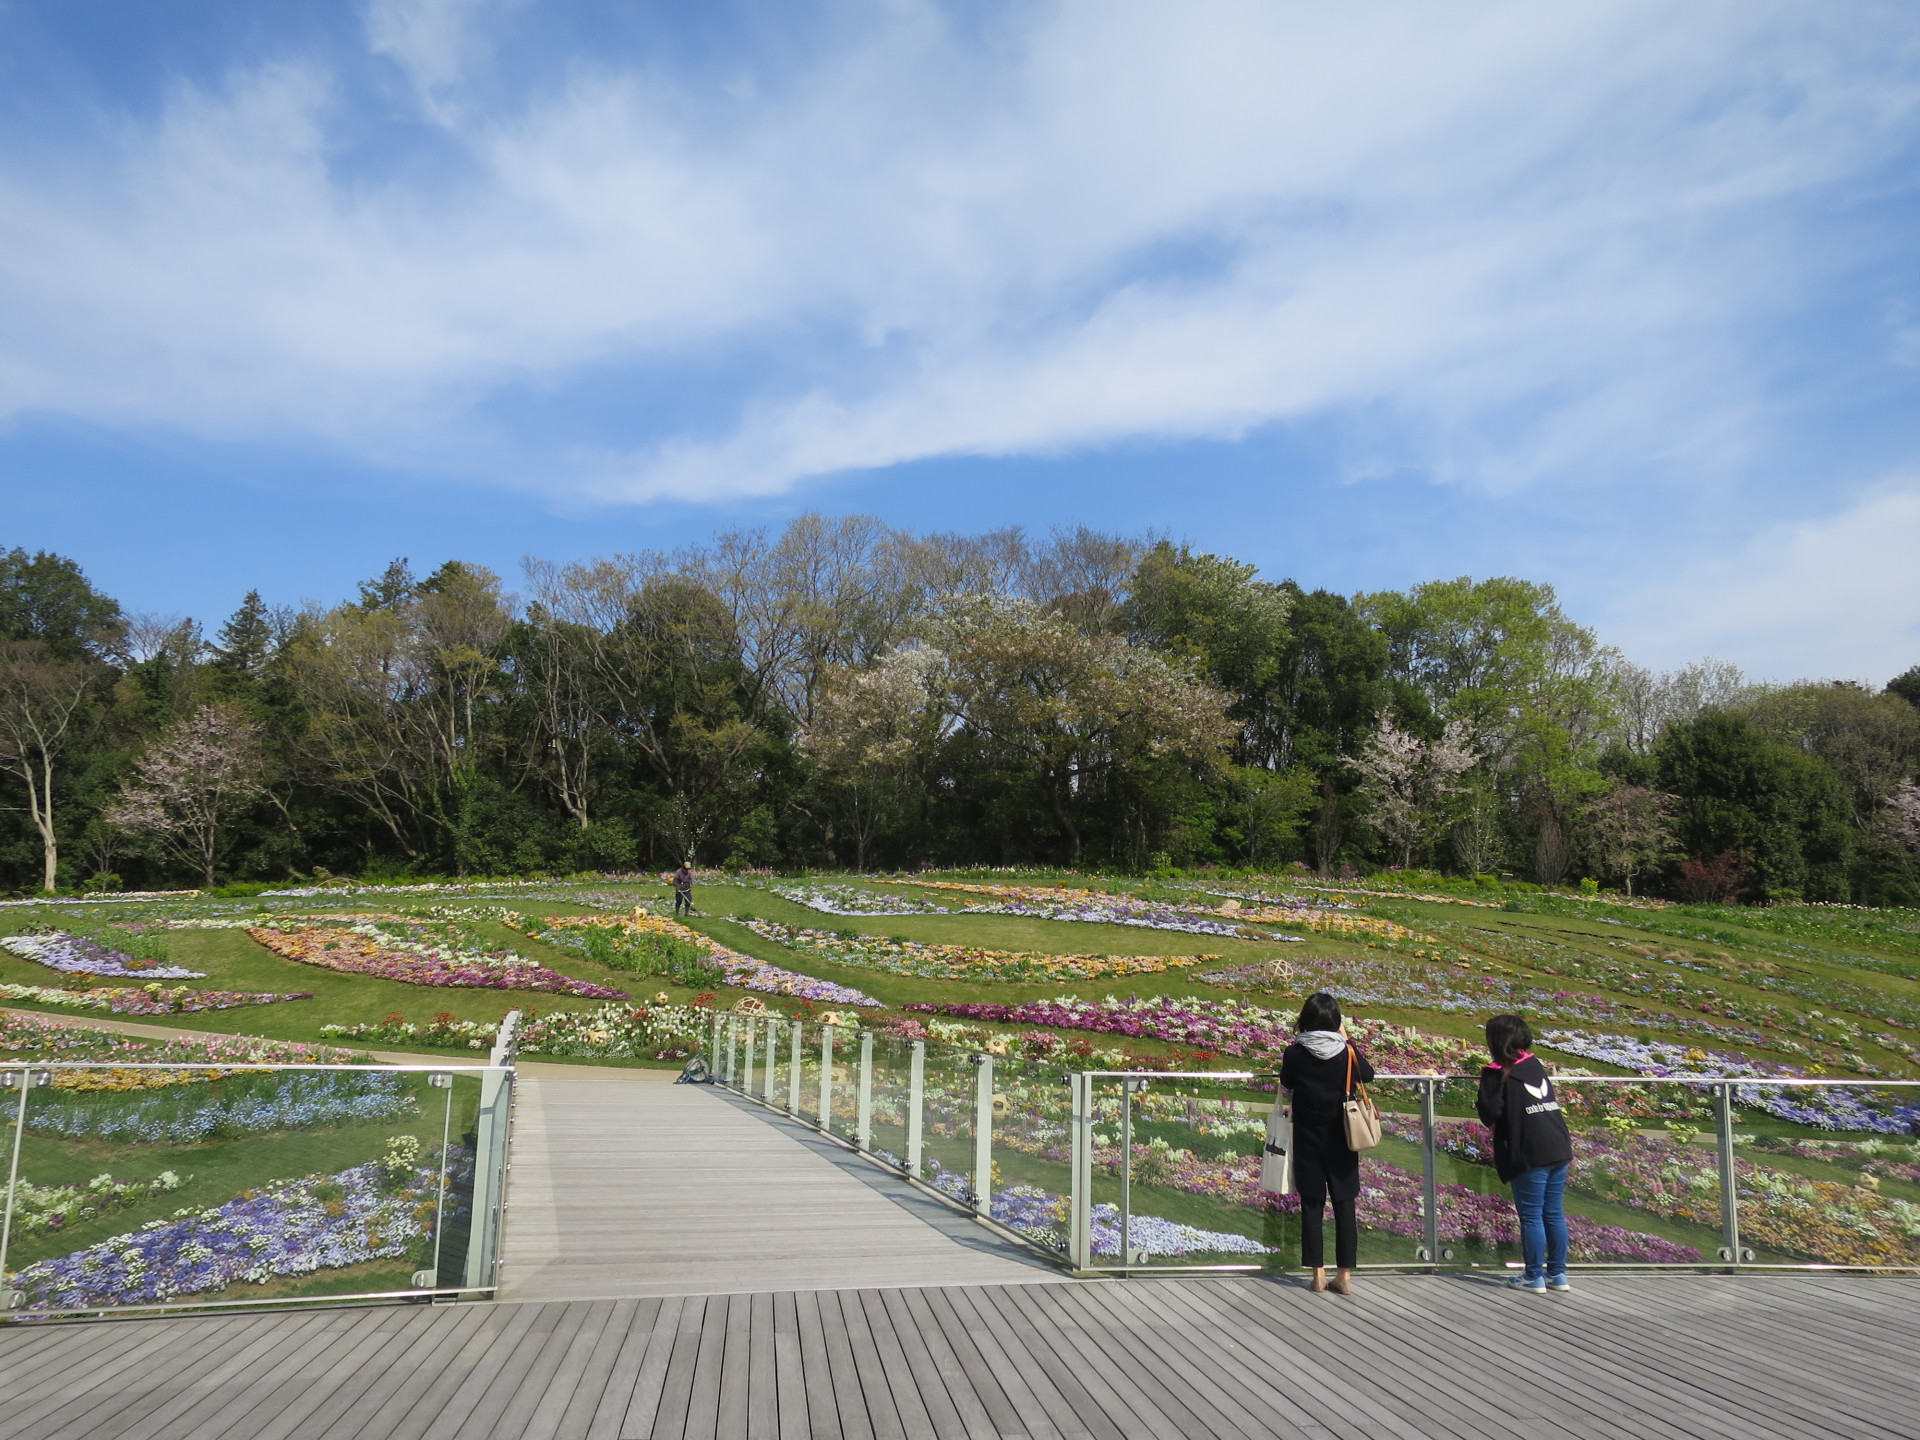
1316,1090
1522,1109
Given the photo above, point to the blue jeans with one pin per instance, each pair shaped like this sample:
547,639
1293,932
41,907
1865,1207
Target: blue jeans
1543,1223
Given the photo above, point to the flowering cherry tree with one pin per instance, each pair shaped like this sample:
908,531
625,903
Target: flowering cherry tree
1406,781
200,773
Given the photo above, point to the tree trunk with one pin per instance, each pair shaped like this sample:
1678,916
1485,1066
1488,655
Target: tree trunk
1073,833
41,805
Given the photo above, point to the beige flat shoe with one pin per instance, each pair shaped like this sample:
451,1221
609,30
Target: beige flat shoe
1319,1281
1342,1283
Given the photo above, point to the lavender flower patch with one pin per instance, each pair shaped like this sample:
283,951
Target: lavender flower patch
1824,1107
1042,1216
75,955
290,1227
293,1102
850,900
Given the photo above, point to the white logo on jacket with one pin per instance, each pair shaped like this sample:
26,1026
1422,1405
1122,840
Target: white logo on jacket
1540,1091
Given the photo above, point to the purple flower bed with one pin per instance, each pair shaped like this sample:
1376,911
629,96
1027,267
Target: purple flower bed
147,1000
289,1228
74,955
1226,1026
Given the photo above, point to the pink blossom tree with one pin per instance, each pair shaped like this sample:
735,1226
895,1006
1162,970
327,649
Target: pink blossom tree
1406,781
185,789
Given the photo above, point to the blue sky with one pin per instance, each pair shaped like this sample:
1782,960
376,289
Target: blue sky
1620,296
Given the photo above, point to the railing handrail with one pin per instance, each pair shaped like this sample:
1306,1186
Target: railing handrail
1560,1076
255,1065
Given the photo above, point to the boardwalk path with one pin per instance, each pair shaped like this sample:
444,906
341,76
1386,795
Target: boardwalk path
680,1265
1747,1358
624,1185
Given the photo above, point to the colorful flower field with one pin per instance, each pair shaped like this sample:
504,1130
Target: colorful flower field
1225,1027
145,999
661,1031
742,970
256,1104
963,962
852,900
411,952
287,1228
78,955
49,1209
53,1038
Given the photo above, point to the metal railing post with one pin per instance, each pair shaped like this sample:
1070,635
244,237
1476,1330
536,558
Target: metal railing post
1126,1173
713,1050
1429,1172
773,1063
863,1116
1080,1196
1730,1250
752,1033
25,1080
798,1032
826,1079
983,1136
916,1103
733,1047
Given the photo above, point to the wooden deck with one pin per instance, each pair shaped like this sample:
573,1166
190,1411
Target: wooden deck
624,1185
1743,1358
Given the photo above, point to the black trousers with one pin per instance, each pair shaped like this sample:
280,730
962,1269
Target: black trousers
1346,1235
682,898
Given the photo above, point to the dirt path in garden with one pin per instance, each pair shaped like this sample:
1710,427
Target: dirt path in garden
645,1188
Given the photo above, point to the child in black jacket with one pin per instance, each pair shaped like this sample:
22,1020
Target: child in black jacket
1532,1149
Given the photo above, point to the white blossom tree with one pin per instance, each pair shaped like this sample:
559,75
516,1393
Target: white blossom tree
870,730
1900,817
193,780
1406,781
1629,830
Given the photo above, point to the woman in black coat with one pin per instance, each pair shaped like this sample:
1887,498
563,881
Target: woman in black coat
1314,1073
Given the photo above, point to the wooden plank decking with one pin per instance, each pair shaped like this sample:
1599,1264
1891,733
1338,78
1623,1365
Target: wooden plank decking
1407,1356
624,1185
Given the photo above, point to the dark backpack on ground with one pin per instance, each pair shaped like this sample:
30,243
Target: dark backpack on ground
695,1072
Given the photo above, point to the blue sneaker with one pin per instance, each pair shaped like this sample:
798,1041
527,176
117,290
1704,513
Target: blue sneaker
1559,1282
1521,1282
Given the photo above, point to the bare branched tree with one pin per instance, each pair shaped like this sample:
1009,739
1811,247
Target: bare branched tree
42,702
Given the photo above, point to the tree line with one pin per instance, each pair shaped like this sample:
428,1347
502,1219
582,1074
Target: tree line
843,693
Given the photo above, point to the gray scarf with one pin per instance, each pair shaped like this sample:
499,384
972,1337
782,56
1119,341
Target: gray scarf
1322,1044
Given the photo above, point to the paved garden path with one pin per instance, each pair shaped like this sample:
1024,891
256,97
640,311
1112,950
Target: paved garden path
625,1185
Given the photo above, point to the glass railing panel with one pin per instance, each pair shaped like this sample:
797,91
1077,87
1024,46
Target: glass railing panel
947,1156
1827,1174
892,1074
146,1186
1032,1111
1192,1192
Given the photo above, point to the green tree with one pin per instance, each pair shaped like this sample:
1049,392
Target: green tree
1783,811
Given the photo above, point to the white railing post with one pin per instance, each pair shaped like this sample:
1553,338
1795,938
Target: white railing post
1080,1200
713,1048
793,1075
773,1062
826,1079
916,1105
746,1075
490,1155
983,1136
733,1047
863,1115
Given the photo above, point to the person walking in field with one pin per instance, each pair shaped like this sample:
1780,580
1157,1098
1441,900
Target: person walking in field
1318,1071
1532,1149
683,889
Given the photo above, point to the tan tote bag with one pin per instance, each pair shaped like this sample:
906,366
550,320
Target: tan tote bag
1362,1119
1276,1161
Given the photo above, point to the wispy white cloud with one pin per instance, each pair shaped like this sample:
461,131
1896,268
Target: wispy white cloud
1837,597
1526,234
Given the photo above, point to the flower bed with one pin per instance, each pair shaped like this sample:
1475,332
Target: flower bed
246,1105
286,1228
962,962
49,1209
409,952
851,900
1224,1026
78,955
1822,1106
146,999
742,970
55,1038
659,1031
